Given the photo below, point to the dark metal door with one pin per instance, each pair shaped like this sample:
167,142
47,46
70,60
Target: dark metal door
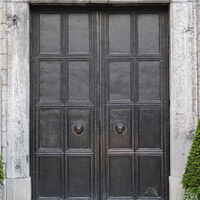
99,103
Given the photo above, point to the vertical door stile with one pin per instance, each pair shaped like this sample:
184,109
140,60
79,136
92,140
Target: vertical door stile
99,117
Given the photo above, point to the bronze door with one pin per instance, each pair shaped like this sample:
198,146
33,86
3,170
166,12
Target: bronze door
99,103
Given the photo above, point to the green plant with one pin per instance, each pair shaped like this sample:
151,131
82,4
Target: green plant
191,177
190,196
1,176
1,171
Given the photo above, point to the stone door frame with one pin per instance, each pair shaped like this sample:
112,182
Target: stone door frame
184,93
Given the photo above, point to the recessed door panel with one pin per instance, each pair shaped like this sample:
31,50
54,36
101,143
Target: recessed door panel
99,103
149,80
149,176
78,80
119,33
120,128
79,176
50,130
148,33
49,81
50,177
80,128
78,40
120,176
149,135
119,81
50,34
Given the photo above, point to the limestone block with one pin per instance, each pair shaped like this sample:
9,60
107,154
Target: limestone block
91,1
18,90
139,1
183,108
18,189
175,189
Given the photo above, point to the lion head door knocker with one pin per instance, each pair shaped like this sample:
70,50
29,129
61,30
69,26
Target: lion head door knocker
79,128
119,128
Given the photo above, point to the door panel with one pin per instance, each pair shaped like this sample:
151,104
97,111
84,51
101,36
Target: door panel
134,103
119,33
120,138
50,130
50,33
50,177
49,81
149,127
119,90
149,80
78,72
65,119
120,176
149,176
148,35
79,176
99,103
79,33
80,117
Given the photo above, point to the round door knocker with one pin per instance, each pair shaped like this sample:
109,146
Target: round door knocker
119,128
79,128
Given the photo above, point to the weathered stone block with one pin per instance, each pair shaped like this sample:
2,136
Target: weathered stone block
18,90
18,189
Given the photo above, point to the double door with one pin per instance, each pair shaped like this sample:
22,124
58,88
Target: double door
99,103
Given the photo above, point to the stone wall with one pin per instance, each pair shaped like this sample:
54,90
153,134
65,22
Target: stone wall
184,94
14,88
17,165
3,82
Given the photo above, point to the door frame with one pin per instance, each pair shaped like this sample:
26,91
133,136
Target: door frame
146,8
183,72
